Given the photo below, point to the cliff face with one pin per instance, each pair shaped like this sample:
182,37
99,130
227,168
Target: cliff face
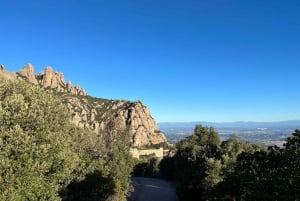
100,115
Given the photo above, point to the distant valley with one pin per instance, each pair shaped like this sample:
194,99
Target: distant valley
268,133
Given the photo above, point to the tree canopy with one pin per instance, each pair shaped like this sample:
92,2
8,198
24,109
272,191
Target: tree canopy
43,156
207,169
202,161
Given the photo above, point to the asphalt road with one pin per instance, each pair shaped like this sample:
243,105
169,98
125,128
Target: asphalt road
148,189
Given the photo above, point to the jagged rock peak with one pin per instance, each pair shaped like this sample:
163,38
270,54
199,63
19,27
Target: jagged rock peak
49,69
55,80
28,72
5,74
47,79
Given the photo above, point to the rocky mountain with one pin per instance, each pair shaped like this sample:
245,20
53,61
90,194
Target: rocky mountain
48,79
100,115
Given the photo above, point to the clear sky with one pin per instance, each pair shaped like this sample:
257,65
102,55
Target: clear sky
187,60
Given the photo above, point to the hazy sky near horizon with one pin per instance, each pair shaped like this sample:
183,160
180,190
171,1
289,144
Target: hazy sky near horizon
192,60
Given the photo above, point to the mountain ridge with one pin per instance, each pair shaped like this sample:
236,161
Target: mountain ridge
100,115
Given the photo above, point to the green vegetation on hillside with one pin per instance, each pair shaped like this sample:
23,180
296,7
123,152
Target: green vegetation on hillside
44,157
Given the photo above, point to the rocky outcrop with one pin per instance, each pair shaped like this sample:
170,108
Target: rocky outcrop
28,73
141,125
50,79
100,115
5,74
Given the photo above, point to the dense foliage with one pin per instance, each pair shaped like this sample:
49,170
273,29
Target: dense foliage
208,169
273,174
166,168
147,166
202,161
44,157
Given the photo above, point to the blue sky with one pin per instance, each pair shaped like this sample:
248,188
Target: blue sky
192,60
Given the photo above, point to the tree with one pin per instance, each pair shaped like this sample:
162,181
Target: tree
202,162
231,148
119,162
166,168
45,157
196,163
36,157
291,169
272,174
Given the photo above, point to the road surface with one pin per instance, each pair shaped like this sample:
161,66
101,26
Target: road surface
148,189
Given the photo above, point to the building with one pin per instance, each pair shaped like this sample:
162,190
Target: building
136,153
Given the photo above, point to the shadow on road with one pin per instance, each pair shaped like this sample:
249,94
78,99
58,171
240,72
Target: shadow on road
149,189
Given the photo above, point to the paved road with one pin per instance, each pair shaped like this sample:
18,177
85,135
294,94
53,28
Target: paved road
148,189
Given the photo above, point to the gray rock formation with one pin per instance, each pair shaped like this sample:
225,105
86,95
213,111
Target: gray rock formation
100,115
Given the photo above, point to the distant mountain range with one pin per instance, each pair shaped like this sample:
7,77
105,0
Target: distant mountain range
294,124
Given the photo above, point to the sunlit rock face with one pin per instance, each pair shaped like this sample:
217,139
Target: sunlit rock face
100,115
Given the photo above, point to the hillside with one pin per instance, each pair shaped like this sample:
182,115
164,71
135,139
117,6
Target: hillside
100,115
